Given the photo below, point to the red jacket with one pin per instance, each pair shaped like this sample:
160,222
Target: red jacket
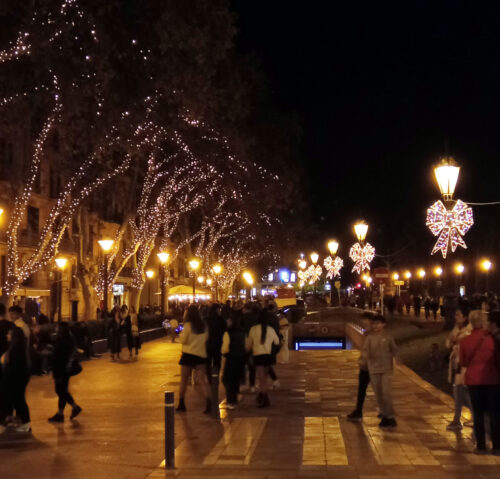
479,359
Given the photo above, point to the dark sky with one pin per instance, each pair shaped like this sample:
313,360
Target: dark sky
379,87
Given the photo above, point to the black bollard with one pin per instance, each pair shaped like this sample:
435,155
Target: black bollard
215,393
169,431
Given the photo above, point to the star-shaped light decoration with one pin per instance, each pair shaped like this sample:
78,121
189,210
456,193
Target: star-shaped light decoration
362,256
332,266
314,273
449,225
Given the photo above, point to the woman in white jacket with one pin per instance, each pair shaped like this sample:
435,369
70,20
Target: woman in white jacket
260,341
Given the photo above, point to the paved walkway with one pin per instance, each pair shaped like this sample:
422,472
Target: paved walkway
304,434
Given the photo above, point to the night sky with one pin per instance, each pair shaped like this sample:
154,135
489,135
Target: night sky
380,87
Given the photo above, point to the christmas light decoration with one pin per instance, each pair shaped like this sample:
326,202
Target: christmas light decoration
449,225
333,266
314,273
362,255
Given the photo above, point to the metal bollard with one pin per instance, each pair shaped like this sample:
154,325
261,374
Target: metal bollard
215,393
169,431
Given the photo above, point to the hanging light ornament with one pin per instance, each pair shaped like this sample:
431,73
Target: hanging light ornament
314,273
333,266
362,255
303,276
452,219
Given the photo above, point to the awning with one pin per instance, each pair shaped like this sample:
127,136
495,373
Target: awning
184,290
32,292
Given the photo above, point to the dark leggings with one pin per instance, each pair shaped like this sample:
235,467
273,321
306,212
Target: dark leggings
233,372
363,381
62,385
15,399
486,399
272,374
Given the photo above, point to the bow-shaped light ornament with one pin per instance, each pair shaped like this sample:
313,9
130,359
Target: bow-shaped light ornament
362,256
332,266
314,272
303,276
449,225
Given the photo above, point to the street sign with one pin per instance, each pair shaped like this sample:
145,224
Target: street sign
399,283
381,276
337,284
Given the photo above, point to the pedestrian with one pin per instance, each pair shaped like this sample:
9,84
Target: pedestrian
455,374
435,307
126,327
364,375
15,378
193,338
482,376
272,308
427,307
216,328
417,303
62,370
260,341
379,350
248,317
284,353
233,349
134,327
5,327
115,335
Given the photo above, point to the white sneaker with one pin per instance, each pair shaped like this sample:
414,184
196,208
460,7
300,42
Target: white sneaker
23,428
231,405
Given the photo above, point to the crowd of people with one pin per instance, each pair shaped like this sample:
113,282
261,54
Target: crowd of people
248,335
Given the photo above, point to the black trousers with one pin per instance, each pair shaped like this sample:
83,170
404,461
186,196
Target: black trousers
251,371
363,381
14,398
214,361
486,399
62,385
231,378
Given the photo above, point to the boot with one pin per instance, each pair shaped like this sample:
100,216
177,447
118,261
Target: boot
260,398
208,407
265,401
181,407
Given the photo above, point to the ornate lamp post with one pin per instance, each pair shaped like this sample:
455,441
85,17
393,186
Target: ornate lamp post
150,275
61,264
314,258
217,270
333,265
459,269
194,264
486,265
106,245
163,256
361,253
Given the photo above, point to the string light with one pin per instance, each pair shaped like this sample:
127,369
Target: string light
362,255
333,266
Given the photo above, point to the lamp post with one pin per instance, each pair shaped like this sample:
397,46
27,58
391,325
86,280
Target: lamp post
361,229
408,279
209,284
459,269
333,247
314,258
247,276
217,270
395,277
302,266
150,275
106,245
61,264
194,264
163,257
486,265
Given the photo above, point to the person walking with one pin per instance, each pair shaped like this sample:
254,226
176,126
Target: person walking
284,355
482,376
193,338
64,354
126,327
364,375
216,328
260,342
115,335
15,377
461,397
233,348
379,350
134,327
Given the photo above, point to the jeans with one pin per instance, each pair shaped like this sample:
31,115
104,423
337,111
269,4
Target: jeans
15,398
486,399
382,386
62,385
462,398
233,372
363,381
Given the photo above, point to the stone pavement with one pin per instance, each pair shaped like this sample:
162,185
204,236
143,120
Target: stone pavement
303,435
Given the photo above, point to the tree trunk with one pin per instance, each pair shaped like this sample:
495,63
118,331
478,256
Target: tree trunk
81,270
135,297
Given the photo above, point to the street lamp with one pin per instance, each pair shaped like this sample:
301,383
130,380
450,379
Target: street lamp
61,264
421,273
194,264
106,245
395,277
361,229
486,265
217,270
201,280
447,176
150,275
302,264
314,257
248,277
333,247
163,256
438,271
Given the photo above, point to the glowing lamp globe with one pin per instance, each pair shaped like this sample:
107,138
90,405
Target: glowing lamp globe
438,271
61,262
395,276
217,268
247,276
460,268
194,264
333,247
314,257
486,265
201,279
361,229
447,176
421,273
150,273
106,244
302,264
408,275
163,257
209,282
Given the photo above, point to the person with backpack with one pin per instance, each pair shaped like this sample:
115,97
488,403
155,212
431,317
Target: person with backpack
64,367
233,348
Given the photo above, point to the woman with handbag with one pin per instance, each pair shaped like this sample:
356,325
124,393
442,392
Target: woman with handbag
461,397
136,337
64,365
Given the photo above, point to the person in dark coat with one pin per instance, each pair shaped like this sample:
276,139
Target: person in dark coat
126,327
15,377
115,335
233,348
216,327
64,351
